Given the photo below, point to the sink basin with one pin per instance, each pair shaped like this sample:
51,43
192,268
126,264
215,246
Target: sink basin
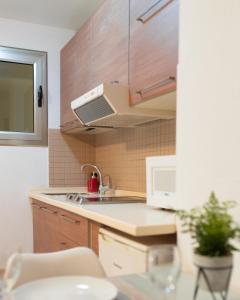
88,198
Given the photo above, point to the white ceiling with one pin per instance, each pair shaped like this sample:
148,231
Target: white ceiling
69,14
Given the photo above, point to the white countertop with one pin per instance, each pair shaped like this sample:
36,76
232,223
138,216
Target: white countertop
136,219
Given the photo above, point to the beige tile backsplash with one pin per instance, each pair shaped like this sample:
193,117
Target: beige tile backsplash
66,154
120,153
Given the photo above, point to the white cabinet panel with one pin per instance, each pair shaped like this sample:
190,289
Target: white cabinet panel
119,258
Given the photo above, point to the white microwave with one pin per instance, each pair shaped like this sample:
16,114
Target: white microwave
161,181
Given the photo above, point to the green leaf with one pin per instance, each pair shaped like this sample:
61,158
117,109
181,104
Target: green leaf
211,226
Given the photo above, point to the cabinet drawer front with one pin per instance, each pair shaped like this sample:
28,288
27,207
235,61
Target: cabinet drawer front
120,259
64,243
74,227
47,208
47,213
50,215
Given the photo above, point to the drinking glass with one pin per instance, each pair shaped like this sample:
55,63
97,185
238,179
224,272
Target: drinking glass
10,277
164,268
2,289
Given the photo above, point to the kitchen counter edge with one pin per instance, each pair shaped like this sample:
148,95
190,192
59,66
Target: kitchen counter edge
128,228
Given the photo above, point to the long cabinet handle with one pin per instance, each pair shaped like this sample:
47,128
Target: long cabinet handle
48,211
156,85
153,10
70,220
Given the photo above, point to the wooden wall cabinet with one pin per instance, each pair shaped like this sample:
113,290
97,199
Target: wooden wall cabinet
55,229
97,53
153,48
75,72
132,42
109,55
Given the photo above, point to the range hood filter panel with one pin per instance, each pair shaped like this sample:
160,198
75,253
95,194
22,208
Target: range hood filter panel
94,110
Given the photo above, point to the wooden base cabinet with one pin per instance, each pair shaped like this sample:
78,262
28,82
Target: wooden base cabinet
55,229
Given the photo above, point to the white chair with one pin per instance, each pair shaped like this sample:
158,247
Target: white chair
77,261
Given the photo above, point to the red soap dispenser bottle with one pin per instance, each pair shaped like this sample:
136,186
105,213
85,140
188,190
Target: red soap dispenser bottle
93,183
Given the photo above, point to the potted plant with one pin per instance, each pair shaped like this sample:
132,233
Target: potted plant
212,229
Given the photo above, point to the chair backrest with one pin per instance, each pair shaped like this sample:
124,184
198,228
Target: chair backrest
77,261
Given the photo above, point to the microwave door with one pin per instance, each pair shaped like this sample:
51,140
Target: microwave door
161,185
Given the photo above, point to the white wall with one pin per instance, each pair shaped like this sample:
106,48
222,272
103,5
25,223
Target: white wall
22,168
208,108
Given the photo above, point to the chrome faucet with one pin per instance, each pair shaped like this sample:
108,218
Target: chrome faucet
102,187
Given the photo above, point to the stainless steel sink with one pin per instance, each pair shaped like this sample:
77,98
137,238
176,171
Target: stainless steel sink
87,198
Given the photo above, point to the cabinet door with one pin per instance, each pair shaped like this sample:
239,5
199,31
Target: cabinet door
74,227
51,223
153,48
75,68
109,53
38,228
45,226
120,259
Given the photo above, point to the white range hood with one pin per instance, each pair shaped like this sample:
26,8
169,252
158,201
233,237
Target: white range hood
107,106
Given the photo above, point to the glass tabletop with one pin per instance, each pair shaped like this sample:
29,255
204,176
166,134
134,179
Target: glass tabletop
140,287
135,287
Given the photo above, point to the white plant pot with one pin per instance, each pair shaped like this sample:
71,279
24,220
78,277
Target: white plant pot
212,266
